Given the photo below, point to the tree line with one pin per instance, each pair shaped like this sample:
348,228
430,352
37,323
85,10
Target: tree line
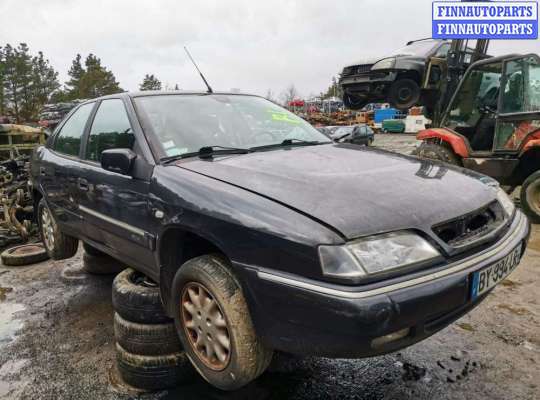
28,82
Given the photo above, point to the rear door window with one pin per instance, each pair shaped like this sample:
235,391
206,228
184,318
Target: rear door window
110,130
68,140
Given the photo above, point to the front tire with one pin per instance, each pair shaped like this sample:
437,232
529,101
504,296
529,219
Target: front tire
432,151
530,197
404,93
59,246
214,324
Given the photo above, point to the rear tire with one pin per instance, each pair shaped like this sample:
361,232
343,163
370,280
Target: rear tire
59,246
153,372
238,356
530,197
432,151
137,299
404,93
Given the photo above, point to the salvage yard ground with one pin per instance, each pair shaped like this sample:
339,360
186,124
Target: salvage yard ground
56,342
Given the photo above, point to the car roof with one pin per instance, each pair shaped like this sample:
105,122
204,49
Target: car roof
148,93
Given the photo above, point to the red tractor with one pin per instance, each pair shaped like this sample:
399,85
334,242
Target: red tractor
492,125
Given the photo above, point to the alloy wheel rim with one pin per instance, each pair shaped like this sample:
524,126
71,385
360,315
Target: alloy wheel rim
47,228
205,326
533,196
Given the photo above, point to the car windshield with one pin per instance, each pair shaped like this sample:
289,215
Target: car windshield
421,48
185,123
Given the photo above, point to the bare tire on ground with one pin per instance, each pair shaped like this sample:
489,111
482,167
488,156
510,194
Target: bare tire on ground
24,254
146,339
153,372
433,151
101,265
404,93
137,299
530,197
59,246
214,324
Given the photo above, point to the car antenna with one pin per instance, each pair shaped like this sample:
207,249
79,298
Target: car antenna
198,70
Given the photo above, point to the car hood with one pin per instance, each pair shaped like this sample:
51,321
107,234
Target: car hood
354,190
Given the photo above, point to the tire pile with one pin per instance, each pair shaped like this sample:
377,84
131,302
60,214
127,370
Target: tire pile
148,352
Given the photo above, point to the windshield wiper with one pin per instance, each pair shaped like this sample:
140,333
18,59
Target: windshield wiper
207,152
290,142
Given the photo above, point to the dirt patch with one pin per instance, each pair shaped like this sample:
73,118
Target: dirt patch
4,291
514,310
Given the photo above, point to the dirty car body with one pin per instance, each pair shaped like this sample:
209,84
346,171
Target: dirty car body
340,250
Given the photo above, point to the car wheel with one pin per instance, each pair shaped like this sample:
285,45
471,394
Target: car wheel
102,265
432,151
404,93
530,197
137,299
24,255
214,324
153,372
59,246
353,102
146,339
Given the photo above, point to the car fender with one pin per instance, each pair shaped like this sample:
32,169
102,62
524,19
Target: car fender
455,140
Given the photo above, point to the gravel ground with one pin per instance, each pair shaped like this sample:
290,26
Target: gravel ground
56,342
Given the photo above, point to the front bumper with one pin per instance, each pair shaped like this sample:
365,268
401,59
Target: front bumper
305,317
372,84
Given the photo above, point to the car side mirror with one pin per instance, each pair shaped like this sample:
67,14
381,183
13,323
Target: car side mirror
118,160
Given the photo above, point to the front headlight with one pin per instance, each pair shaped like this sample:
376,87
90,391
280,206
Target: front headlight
387,63
376,254
506,202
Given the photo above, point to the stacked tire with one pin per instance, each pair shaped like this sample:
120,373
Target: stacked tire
96,262
148,351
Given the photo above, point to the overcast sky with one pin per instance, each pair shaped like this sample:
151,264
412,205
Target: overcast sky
248,44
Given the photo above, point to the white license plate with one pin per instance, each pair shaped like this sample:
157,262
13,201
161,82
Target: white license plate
488,277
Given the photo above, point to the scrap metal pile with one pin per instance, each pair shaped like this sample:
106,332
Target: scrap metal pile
16,209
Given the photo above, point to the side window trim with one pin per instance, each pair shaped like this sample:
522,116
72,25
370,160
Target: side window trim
86,136
52,144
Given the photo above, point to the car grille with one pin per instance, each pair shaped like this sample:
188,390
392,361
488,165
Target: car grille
356,69
471,228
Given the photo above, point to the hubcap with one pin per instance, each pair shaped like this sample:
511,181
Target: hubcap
533,196
47,228
205,326
404,94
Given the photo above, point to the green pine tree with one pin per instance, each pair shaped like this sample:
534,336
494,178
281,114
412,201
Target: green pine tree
76,72
150,82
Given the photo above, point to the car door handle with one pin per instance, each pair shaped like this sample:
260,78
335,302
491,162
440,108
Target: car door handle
42,171
83,184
